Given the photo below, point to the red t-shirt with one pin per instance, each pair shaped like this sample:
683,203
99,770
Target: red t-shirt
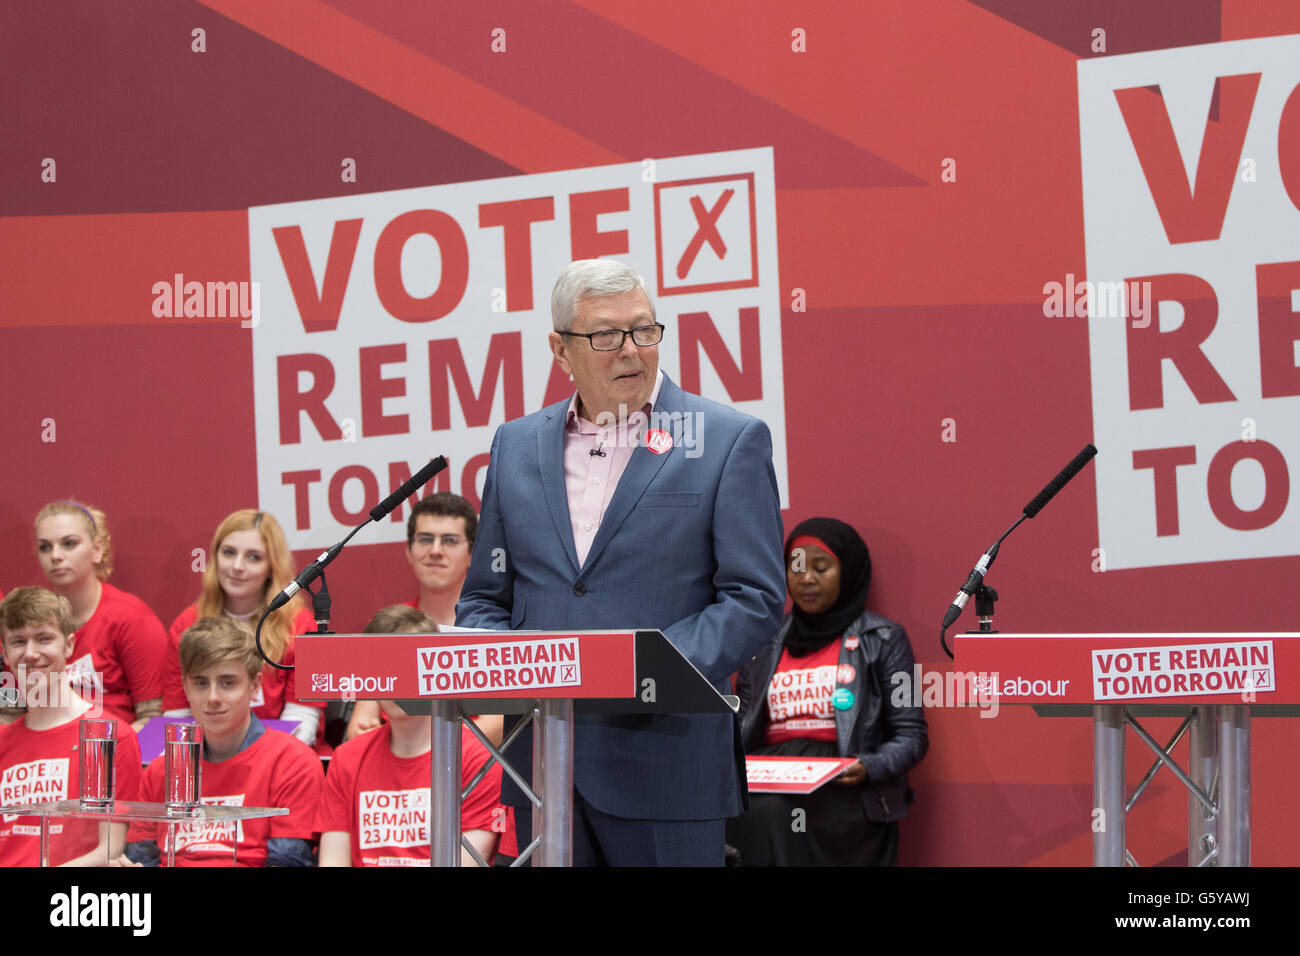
41,766
278,770
278,687
799,696
120,650
382,801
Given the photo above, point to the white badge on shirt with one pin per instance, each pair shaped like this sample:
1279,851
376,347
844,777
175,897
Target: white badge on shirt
85,680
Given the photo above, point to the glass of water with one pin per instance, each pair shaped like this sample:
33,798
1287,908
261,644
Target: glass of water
183,761
98,744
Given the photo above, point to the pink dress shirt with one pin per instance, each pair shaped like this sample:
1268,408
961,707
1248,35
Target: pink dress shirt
589,478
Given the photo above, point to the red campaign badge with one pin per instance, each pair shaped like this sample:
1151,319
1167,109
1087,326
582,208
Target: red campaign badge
851,643
658,440
846,673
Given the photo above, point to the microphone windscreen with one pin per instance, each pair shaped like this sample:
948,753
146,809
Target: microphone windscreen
408,488
1059,482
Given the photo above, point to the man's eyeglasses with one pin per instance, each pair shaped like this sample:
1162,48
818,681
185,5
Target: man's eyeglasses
611,340
449,541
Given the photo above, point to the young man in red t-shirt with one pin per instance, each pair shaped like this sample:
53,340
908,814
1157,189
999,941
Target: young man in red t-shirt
375,810
439,541
244,764
39,752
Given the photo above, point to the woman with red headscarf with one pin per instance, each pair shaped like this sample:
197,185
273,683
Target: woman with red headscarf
822,688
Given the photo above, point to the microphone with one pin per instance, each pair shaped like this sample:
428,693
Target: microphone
409,487
597,451
377,513
971,586
1060,481
976,578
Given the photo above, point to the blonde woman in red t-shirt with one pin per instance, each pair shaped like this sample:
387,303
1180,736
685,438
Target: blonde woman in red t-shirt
249,564
120,643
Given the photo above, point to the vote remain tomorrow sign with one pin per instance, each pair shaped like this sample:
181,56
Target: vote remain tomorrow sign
401,325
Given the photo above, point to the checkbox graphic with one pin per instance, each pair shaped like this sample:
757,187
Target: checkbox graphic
706,234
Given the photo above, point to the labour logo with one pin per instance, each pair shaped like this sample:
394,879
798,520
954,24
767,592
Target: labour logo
320,682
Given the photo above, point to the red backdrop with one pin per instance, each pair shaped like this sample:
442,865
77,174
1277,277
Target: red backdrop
924,297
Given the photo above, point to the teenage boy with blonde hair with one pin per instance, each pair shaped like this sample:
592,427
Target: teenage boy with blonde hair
39,750
244,763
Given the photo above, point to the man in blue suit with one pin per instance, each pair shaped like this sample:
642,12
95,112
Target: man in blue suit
634,504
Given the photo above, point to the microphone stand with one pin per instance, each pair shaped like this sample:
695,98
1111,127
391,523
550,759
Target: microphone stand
320,605
985,596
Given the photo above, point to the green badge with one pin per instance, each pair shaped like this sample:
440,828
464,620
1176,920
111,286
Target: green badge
842,699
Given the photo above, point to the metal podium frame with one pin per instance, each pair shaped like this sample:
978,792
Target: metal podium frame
1217,773
551,792
1217,777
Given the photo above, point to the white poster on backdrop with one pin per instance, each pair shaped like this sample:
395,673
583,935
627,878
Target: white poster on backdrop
1191,199
397,326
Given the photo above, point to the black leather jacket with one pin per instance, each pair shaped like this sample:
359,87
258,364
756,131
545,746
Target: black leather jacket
889,740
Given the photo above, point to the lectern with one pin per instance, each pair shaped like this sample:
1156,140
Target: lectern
547,676
1215,682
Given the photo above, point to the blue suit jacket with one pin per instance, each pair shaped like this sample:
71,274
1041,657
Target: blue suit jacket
690,544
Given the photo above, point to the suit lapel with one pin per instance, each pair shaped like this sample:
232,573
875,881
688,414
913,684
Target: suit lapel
642,467
550,455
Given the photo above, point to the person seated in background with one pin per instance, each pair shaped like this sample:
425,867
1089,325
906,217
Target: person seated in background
121,645
375,811
822,688
439,541
244,764
39,752
249,565
9,709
